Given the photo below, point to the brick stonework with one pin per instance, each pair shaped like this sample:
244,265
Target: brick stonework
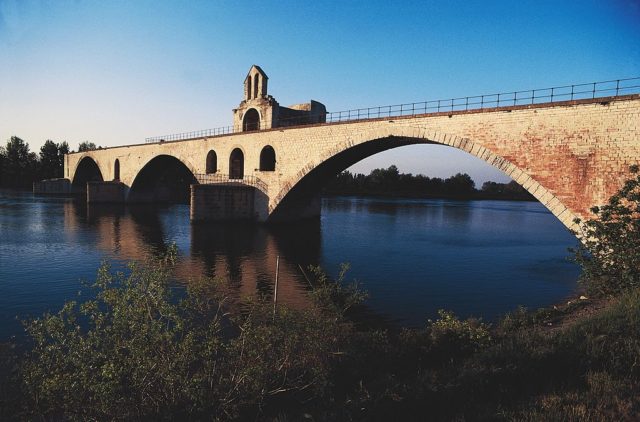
571,156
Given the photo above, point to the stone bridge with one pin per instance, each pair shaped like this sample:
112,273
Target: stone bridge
570,155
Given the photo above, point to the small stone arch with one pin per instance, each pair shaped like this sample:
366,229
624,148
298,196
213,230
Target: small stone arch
212,162
236,164
116,169
268,159
251,120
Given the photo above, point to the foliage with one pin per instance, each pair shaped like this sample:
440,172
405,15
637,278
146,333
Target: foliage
610,249
505,190
19,167
87,146
141,350
52,159
588,372
456,338
333,294
391,182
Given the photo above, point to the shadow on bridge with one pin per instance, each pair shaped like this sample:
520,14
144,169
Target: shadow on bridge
87,171
163,179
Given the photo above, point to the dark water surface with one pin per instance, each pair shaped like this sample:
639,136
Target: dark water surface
479,258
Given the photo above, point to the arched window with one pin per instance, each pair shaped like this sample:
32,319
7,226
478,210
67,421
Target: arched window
236,164
249,88
251,120
212,162
255,85
267,159
116,170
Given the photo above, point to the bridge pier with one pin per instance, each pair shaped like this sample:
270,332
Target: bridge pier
59,186
105,192
227,202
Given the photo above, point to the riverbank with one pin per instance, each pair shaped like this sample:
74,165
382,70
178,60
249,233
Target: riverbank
145,354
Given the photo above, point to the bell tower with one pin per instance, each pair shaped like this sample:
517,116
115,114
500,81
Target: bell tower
256,110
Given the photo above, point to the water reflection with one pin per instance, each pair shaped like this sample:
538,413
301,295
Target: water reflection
243,255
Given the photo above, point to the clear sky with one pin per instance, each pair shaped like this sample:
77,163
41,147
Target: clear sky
115,72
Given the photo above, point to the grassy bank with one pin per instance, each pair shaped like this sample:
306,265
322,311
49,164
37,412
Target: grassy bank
137,351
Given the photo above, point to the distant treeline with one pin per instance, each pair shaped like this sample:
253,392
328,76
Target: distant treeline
19,167
390,182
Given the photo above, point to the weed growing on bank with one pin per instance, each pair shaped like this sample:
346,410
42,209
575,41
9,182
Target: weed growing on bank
610,252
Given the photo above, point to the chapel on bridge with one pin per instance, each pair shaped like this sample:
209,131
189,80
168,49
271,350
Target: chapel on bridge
259,110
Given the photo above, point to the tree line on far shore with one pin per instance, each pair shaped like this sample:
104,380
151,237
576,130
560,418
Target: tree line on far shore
390,182
20,167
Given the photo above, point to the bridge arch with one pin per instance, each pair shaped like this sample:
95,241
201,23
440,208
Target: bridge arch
300,190
236,164
87,170
212,162
164,178
267,159
116,169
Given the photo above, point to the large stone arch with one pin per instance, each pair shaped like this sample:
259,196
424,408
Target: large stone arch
87,170
299,190
164,178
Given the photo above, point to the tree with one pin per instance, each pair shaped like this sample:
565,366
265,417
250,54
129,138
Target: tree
87,146
49,161
3,160
19,165
460,184
63,149
610,249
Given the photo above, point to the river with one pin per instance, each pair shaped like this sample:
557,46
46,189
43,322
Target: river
413,256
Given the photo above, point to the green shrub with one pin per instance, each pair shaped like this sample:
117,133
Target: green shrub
141,350
610,252
452,338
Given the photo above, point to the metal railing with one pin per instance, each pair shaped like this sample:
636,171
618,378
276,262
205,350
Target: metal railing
226,130
219,178
592,90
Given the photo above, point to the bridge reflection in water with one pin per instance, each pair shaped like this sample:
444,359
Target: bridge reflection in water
242,255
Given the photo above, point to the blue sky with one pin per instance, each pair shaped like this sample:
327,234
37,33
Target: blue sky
116,72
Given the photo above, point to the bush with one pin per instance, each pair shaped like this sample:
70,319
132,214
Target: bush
452,339
141,350
610,252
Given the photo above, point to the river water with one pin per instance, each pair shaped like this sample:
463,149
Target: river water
480,258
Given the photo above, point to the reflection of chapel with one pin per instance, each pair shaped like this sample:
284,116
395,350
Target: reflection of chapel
258,110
